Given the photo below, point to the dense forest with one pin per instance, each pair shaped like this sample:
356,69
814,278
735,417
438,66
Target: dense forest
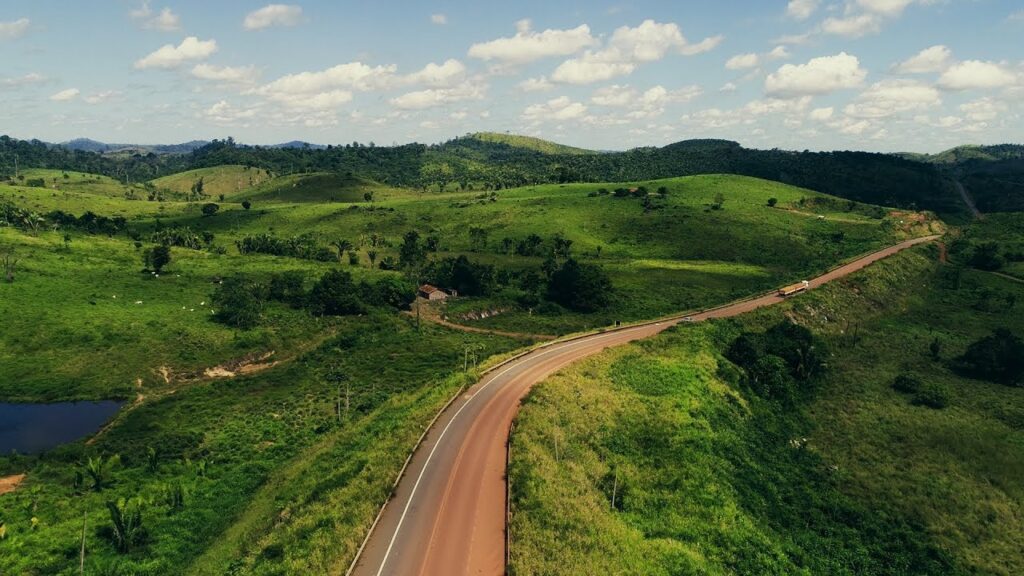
486,162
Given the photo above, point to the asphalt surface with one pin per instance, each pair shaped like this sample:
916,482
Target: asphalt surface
447,514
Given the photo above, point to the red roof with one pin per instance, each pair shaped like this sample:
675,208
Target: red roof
428,289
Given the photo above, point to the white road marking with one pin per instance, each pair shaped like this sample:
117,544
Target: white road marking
412,495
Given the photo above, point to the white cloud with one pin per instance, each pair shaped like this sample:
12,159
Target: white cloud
976,75
627,47
728,87
439,75
706,45
742,61
891,97
852,26
14,29
750,113
273,15
818,76
934,59
101,97
353,75
528,46
439,19
647,104
541,84
796,39
226,74
1017,16
801,9
983,109
65,95
821,114
27,79
434,97
888,8
225,114
557,109
165,20
171,56
778,53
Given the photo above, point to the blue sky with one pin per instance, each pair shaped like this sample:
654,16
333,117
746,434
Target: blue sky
886,75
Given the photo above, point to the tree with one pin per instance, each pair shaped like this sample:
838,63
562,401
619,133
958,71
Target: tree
772,202
372,255
10,261
581,287
368,196
342,245
239,303
411,252
932,395
335,295
97,470
477,238
998,357
769,377
246,204
986,256
662,191
157,257
127,531
197,190
935,348
210,208
353,258
288,287
719,201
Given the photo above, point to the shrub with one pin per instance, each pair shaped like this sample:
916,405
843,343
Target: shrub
932,395
581,287
335,295
906,383
998,357
288,287
209,209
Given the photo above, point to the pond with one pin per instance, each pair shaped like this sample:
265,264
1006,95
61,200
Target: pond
32,428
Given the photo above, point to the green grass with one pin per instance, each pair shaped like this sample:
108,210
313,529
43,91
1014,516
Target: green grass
528,142
710,483
231,180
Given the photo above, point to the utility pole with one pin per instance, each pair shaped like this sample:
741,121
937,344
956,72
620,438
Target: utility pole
81,554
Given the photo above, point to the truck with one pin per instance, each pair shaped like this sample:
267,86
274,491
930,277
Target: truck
794,288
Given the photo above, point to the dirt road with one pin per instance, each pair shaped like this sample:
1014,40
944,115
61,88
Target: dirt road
447,514
968,200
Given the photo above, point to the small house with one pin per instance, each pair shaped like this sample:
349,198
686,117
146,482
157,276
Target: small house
431,292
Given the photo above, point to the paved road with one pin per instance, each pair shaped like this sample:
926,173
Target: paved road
447,515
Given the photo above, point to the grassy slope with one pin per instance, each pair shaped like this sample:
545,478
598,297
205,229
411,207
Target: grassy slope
529,142
681,256
710,484
230,180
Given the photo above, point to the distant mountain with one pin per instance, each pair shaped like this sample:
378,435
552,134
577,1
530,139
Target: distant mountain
970,153
298,144
89,145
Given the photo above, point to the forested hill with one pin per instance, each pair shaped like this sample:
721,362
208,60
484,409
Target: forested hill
495,161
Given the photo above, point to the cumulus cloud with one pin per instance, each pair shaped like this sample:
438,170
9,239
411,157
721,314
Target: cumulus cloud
885,7
821,114
818,76
165,20
555,110
983,109
934,59
65,95
628,47
742,61
27,79
273,15
528,46
225,114
750,113
976,75
439,75
891,97
853,26
353,75
434,97
801,9
647,104
439,19
171,56
101,97
541,84
14,29
226,74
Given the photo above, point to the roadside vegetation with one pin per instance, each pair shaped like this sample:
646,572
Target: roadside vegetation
872,426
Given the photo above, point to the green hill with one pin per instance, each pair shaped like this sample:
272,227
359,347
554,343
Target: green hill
229,180
528,142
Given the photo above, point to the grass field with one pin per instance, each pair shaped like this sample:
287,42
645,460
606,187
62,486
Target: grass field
273,479
711,479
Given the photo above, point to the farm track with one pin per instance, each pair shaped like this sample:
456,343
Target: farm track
448,512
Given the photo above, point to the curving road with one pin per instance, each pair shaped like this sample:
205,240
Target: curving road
447,514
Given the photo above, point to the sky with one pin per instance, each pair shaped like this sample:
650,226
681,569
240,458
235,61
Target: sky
879,75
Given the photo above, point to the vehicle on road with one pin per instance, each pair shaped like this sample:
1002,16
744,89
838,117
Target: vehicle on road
794,288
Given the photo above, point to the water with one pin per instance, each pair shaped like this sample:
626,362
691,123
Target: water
32,428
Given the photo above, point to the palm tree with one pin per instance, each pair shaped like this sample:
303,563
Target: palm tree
342,245
127,519
372,255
